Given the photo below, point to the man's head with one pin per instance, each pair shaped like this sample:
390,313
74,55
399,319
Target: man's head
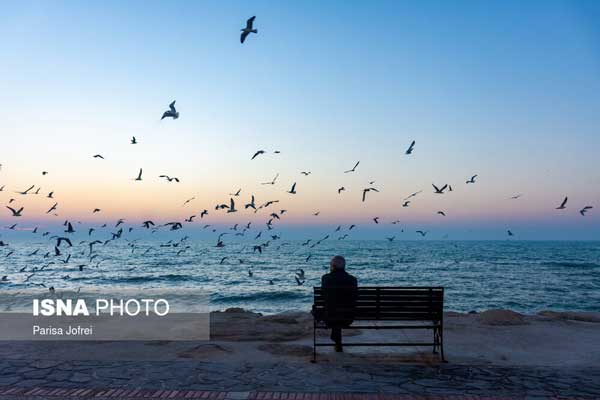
338,263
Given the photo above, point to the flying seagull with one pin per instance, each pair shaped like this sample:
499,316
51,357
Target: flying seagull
472,180
293,189
167,177
26,191
248,29
139,177
353,168
410,148
272,182
15,213
231,206
171,112
443,214
52,208
422,233
133,140
259,152
99,156
563,204
364,195
438,190
584,210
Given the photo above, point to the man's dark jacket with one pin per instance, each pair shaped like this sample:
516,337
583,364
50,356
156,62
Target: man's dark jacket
339,294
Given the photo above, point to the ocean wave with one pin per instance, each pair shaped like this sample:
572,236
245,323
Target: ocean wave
570,264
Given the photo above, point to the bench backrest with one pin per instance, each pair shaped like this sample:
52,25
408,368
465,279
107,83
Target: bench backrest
388,303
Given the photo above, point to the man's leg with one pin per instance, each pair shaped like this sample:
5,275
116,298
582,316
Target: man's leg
336,336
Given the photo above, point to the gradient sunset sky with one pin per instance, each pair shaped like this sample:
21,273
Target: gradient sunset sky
506,90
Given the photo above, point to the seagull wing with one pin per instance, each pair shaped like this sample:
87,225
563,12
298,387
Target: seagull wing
564,202
250,22
172,107
243,36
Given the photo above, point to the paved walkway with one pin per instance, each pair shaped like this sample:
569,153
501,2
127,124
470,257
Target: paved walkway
198,376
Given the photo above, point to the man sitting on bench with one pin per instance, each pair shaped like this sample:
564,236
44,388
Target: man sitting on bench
339,294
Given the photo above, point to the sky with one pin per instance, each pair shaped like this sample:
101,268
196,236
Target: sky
509,91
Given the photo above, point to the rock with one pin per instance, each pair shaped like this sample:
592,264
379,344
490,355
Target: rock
571,315
501,317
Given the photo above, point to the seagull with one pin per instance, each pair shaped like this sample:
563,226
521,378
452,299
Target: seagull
441,213
59,240
26,191
169,178
412,195
340,190
293,189
139,177
236,193
305,173
15,213
422,233
231,206
69,228
438,190
317,213
563,204
353,168
391,239
272,182
510,233
190,219
50,195
472,180
515,196
133,140
52,208
187,201
98,156
410,148
368,190
376,219
406,203
203,213
584,210
171,112
251,204
258,153
248,29
96,210
147,224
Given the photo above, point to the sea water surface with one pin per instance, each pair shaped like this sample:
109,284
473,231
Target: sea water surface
524,276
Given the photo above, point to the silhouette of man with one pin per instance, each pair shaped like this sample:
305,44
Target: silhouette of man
339,294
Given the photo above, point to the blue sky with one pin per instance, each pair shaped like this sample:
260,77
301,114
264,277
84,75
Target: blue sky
506,90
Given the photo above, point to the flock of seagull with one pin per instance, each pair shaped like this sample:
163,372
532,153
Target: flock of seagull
63,248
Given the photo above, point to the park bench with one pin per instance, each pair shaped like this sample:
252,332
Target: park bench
390,308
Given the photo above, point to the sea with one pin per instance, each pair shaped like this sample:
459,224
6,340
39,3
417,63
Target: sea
525,276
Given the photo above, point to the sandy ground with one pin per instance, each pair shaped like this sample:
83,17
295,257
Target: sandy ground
496,338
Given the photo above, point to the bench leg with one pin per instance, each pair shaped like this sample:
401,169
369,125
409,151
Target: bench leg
314,358
442,343
436,340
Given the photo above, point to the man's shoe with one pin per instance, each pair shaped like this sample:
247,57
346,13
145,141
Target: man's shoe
338,348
